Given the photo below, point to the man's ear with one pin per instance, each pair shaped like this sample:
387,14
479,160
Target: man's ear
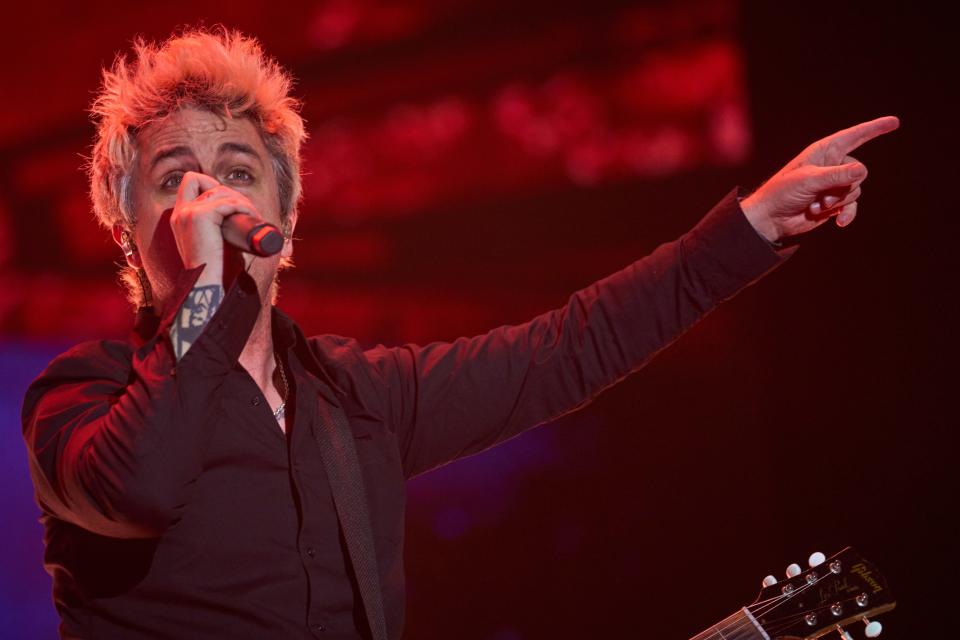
287,228
123,237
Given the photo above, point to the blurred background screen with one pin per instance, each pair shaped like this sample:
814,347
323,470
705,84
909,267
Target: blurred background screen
472,163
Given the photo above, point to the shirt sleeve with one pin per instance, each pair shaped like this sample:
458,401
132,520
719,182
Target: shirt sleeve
451,399
115,436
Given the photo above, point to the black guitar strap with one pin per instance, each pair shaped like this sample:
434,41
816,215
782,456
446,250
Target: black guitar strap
346,482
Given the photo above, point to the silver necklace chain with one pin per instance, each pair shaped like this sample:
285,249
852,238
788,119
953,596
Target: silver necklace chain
280,411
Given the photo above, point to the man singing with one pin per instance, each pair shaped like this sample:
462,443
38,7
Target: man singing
219,474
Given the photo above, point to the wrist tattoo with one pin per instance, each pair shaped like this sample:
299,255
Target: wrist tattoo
197,309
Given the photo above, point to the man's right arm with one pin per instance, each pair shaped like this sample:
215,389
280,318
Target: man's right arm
115,438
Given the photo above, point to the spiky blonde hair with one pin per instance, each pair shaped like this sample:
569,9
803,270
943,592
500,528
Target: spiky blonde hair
220,70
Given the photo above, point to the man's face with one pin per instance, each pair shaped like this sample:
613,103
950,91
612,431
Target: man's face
228,150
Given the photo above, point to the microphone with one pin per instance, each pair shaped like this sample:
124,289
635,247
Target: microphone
253,235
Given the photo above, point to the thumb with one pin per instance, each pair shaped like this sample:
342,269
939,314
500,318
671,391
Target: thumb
824,178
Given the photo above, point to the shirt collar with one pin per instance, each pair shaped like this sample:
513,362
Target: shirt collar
284,330
145,326
287,336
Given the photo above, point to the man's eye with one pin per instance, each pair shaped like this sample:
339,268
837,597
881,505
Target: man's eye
172,181
239,175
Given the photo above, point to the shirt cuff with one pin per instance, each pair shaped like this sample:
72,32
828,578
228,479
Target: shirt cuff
737,254
181,288
225,335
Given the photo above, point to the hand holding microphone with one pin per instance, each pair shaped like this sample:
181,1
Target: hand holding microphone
207,215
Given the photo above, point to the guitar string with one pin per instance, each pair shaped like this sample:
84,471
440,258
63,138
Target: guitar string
742,624
768,606
772,603
764,607
786,622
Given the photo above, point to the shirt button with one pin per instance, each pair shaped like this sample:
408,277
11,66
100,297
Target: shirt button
318,627
311,551
241,293
255,401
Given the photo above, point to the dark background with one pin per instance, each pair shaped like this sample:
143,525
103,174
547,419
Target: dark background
812,412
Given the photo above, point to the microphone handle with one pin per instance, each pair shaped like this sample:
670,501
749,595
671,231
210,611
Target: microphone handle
252,235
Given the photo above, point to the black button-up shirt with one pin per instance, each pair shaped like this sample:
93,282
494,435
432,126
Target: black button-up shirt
175,506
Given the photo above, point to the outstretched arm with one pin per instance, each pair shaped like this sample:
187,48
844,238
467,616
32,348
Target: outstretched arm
452,399
448,400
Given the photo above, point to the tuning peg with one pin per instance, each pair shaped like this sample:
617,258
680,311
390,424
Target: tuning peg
873,628
816,559
843,633
769,581
793,570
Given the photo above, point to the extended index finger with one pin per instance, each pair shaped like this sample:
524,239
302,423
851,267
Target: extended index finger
847,140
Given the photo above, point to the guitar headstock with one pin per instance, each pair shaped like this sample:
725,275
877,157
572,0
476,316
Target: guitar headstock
832,593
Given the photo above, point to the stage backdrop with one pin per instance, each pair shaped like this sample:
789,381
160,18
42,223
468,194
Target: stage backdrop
471,164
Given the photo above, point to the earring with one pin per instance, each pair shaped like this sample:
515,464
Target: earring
129,248
126,244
